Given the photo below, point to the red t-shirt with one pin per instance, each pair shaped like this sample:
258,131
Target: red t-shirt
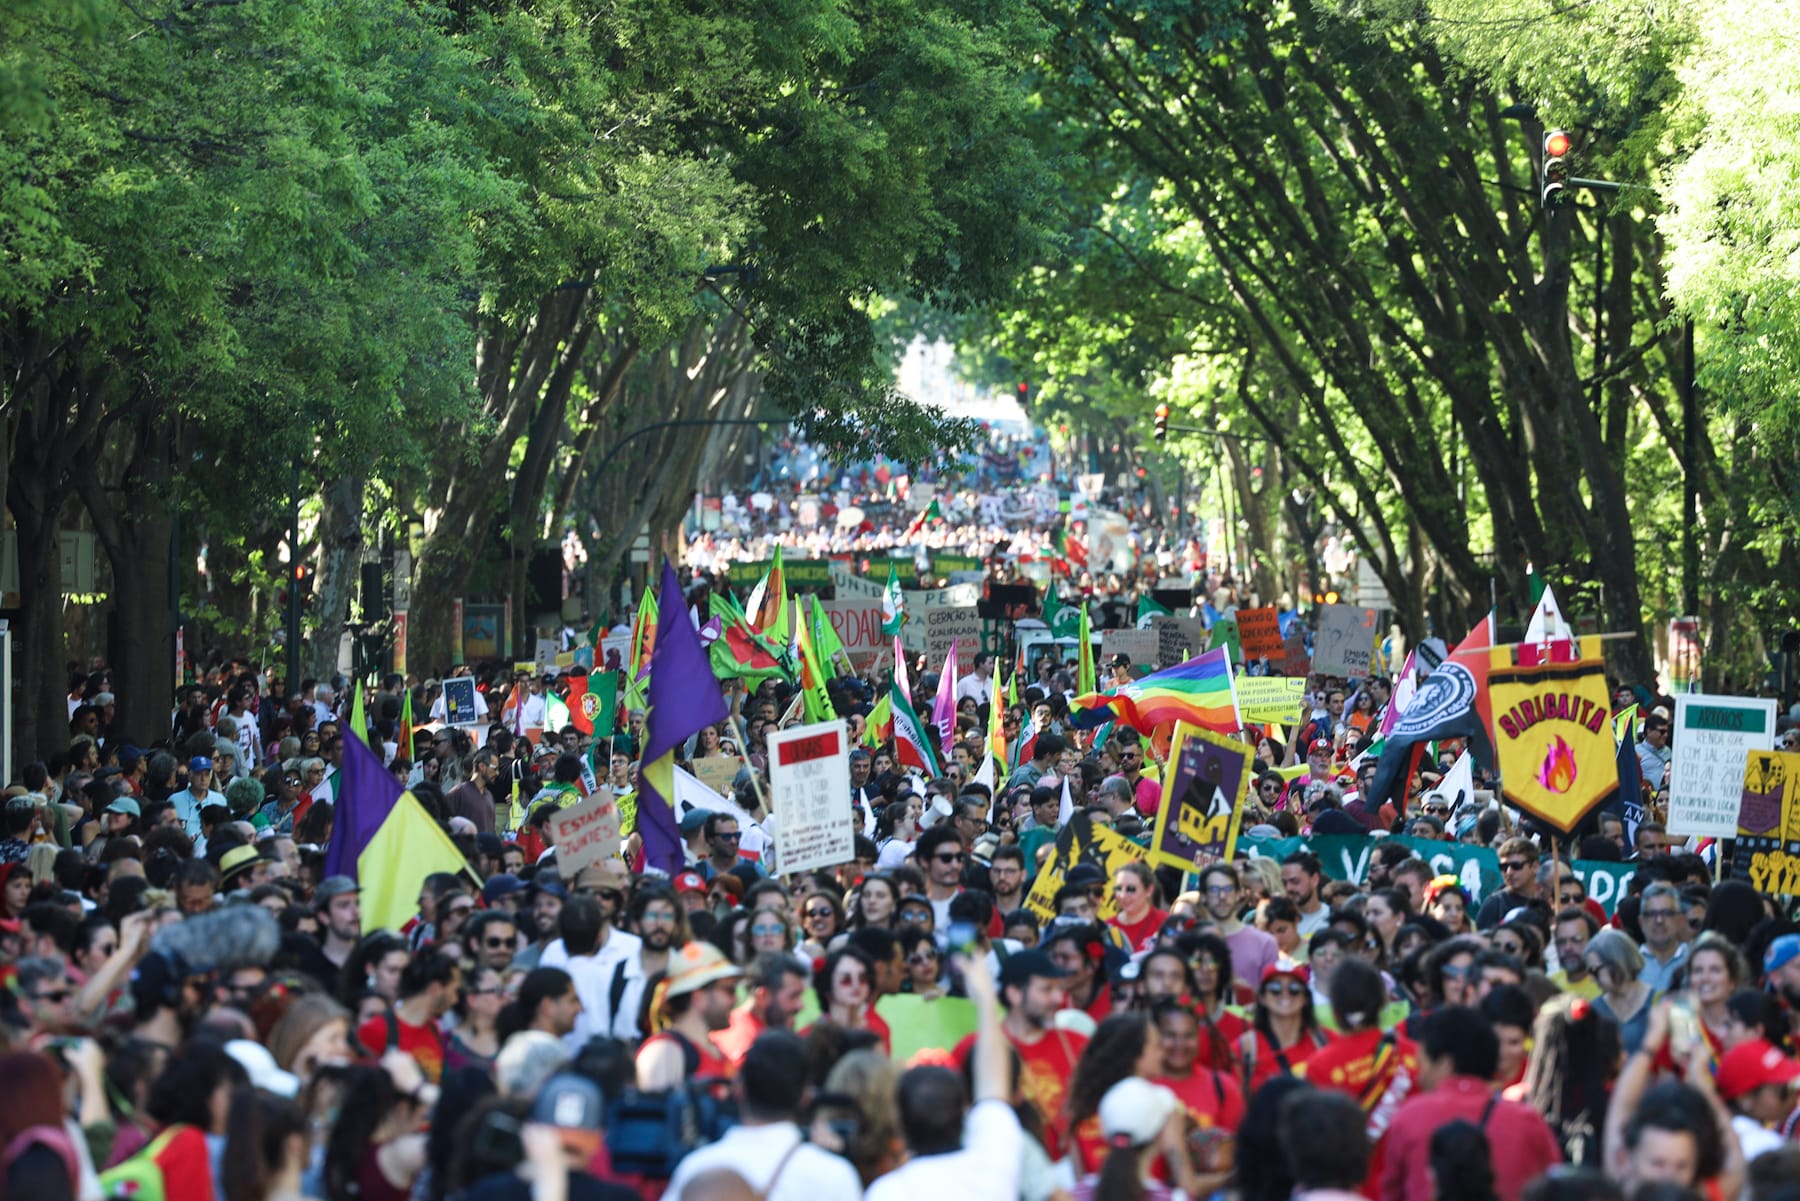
1045,1068
1139,935
424,1043
734,1041
1266,1062
1220,1051
1377,1074
710,1064
1213,1100
871,1022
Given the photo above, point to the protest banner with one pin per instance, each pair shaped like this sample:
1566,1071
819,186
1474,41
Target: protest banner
1347,857
916,1024
1606,882
944,626
1178,639
1295,662
808,767
943,563
545,662
1269,698
586,834
1712,736
614,649
1553,735
1767,850
1345,641
857,624
802,575
956,596
851,585
1081,841
1202,799
1140,646
1259,633
718,771
459,701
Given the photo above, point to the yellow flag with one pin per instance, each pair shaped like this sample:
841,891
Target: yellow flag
408,847
1553,734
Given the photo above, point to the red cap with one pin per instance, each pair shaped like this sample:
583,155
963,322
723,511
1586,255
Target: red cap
1318,745
1284,967
1749,1066
689,882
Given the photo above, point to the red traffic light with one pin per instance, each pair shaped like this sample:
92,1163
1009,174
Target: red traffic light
1024,388
1162,412
1557,143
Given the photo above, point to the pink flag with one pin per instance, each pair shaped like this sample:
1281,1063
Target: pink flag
1402,695
943,708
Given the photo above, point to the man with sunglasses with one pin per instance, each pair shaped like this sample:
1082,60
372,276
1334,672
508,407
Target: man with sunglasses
1519,874
940,853
724,842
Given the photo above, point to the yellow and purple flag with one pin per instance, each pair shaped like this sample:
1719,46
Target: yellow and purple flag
683,696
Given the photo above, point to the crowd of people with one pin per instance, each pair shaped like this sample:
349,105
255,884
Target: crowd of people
195,1009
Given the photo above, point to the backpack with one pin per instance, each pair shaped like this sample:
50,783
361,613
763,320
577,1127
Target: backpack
648,1134
174,1166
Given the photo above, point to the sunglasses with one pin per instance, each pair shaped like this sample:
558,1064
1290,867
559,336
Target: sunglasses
925,960
460,911
732,837
1292,989
765,928
916,915
949,857
819,912
496,943
55,996
610,894
1514,865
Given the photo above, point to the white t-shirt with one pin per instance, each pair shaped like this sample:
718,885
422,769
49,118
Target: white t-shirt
974,686
754,1152
593,976
986,1169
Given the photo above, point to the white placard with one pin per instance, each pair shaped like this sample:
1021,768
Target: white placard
586,834
809,787
1706,775
459,701
849,584
1345,643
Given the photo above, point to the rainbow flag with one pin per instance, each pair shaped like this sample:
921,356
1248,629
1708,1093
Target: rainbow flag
1198,692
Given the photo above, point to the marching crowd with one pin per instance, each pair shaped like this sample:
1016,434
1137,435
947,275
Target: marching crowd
193,1009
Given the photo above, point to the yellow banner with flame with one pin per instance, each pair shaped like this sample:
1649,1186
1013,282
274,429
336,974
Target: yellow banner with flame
1553,735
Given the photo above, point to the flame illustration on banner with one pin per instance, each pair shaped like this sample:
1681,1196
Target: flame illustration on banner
1558,772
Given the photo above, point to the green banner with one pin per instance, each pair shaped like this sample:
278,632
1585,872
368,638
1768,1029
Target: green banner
943,564
1347,857
803,575
1606,882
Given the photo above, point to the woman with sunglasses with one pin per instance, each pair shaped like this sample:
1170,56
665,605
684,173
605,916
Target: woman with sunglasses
924,966
1138,919
767,930
1221,1030
844,984
1284,1031
876,900
1520,939
820,921
476,1041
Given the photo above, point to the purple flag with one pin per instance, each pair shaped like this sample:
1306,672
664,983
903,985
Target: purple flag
366,794
943,708
683,695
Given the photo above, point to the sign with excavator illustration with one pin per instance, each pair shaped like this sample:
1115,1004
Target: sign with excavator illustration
1553,735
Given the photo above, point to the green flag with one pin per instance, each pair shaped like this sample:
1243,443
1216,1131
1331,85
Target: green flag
1225,634
604,688
893,605
359,721
825,640
1148,607
1086,679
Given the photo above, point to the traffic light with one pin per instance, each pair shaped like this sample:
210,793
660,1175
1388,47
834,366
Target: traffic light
1557,145
1024,393
1162,422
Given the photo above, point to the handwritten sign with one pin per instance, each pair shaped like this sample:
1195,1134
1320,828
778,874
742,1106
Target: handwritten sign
1767,851
1713,734
1345,643
718,772
1140,646
1294,659
1259,633
1202,799
1178,639
1270,698
959,625
586,834
809,786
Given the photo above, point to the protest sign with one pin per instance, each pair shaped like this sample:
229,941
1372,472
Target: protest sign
1345,642
459,701
1270,698
944,626
1140,646
857,623
1202,799
545,662
586,834
1606,882
849,584
1295,662
916,1024
809,773
717,772
1259,633
1767,850
1712,736
1347,857
1553,735
802,575
956,596
1081,841
614,649
1178,639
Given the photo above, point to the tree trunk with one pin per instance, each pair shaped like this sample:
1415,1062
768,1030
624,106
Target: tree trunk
40,653
340,541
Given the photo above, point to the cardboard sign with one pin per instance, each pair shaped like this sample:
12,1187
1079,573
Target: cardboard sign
1081,841
1712,736
1140,646
1270,698
1345,642
1202,799
718,772
1767,851
1295,661
1178,639
459,701
1259,633
809,787
944,626
586,834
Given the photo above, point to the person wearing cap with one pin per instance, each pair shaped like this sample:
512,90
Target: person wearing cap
1458,1054
692,1002
1318,760
338,903
1756,1082
1781,973
958,1149
767,1148
1034,987
693,832
690,887
560,1140
198,794
1284,1027
1145,1129
242,868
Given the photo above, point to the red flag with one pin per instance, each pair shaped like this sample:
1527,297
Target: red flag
579,715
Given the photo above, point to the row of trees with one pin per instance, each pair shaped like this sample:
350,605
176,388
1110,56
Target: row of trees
1315,226
431,261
